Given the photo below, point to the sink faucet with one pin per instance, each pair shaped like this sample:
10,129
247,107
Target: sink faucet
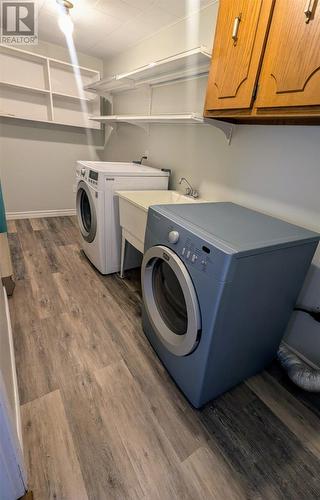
139,162
190,191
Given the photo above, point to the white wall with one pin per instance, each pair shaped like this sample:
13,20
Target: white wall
37,161
274,169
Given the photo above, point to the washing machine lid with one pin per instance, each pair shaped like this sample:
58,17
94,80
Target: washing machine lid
123,169
237,228
170,300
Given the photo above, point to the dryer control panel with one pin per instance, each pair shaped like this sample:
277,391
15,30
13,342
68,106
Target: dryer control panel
195,254
189,249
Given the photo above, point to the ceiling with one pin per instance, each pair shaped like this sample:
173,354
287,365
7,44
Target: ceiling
103,28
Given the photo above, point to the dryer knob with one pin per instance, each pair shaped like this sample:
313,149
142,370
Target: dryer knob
83,172
173,237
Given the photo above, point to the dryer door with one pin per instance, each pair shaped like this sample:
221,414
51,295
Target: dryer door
86,212
170,300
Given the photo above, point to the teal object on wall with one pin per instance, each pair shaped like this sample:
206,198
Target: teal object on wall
3,223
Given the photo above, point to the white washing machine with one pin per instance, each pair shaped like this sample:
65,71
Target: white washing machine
98,207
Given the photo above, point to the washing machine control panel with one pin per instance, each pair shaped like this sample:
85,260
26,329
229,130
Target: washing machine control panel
89,176
93,177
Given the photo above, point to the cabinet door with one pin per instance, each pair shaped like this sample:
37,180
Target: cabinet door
241,32
291,68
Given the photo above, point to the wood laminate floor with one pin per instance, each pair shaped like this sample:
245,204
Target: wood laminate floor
101,417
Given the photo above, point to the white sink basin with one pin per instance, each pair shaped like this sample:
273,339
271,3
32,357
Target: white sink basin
133,210
144,199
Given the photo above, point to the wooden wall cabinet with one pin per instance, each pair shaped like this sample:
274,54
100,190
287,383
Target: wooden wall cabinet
266,62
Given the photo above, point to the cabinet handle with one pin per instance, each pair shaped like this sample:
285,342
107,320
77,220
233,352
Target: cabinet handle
235,29
308,10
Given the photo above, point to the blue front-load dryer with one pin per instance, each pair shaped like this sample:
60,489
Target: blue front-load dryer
219,283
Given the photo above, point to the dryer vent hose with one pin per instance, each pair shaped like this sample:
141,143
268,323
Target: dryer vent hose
303,375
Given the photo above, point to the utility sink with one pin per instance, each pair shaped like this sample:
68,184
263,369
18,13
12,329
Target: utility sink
133,210
144,199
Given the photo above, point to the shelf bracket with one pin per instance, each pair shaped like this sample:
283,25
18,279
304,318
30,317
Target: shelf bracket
109,129
143,126
109,97
227,128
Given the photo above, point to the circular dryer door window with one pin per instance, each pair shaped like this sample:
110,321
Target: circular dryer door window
170,300
86,212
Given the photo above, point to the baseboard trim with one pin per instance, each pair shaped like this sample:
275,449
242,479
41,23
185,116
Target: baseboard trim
37,214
